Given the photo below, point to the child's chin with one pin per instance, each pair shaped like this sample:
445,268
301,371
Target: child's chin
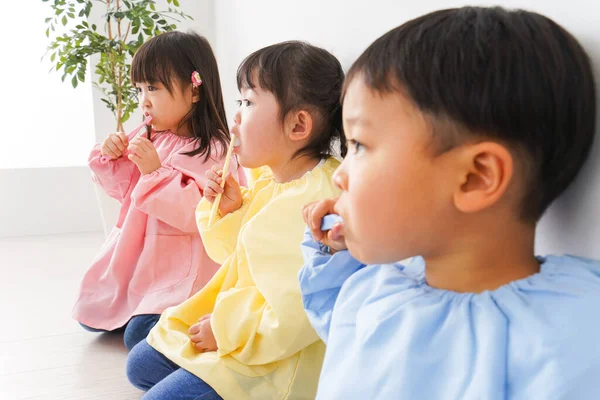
364,255
247,163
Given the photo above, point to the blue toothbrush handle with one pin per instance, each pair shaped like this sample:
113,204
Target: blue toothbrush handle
329,221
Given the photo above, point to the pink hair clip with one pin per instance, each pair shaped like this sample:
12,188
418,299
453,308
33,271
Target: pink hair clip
196,80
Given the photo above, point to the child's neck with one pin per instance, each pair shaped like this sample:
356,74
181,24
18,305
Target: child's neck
485,260
293,169
182,131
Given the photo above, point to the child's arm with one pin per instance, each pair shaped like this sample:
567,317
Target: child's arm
172,192
114,175
220,239
321,279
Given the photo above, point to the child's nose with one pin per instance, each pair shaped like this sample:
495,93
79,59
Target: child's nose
237,117
340,178
144,101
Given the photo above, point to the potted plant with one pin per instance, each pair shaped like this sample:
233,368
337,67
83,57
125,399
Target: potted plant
127,25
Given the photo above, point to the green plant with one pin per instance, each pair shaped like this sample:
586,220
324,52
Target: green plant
127,25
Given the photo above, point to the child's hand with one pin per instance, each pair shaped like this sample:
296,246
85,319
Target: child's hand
313,216
114,145
144,155
231,198
202,336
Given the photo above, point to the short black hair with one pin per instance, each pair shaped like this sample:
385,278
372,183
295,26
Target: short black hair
301,76
508,75
175,56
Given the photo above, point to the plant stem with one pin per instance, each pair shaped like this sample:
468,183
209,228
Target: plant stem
120,72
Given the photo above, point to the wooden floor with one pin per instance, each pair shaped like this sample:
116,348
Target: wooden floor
44,354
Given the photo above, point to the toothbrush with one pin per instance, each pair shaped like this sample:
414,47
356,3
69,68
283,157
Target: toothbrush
147,121
215,206
329,221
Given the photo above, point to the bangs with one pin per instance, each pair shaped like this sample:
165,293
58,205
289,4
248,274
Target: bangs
152,63
258,69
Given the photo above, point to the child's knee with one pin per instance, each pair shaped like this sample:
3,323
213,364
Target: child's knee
136,364
138,329
131,337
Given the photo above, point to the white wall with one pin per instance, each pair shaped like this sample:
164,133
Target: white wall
347,27
203,23
46,133
46,201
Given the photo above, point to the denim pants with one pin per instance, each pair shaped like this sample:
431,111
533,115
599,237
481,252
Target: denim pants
149,370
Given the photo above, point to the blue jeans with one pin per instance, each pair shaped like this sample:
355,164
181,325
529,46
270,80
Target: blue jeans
136,329
150,371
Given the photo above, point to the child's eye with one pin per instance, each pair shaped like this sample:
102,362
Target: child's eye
138,89
356,146
244,102
151,88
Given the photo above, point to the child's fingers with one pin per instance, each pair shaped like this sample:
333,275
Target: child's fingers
316,215
306,211
200,347
145,144
116,141
124,139
107,152
113,148
139,145
197,338
230,181
194,329
305,214
210,195
212,175
110,154
134,157
214,186
137,150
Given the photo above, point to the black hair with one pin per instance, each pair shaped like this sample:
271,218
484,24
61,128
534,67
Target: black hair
512,76
301,76
175,56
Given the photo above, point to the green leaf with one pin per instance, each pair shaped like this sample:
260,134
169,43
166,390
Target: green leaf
47,20
52,57
48,32
176,2
64,20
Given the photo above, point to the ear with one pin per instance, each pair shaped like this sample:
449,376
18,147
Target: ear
486,171
300,125
195,94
